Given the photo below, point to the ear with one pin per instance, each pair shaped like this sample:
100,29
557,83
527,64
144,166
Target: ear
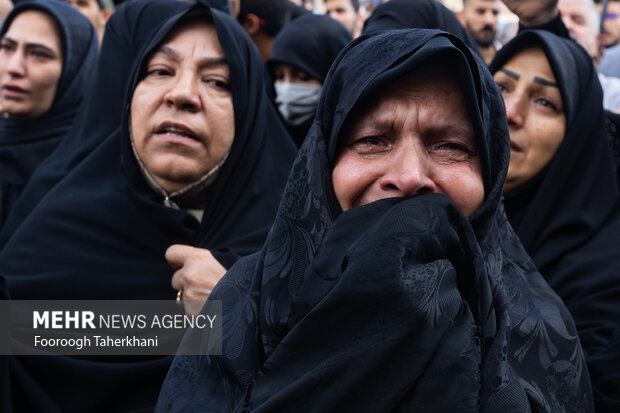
251,24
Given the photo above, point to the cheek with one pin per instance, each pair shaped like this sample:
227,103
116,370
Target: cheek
221,125
47,79
463,184
138,117
350,177
545,141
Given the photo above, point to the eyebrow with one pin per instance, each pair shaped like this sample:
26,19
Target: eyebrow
510,73
205,61
537,79
545,82
29,45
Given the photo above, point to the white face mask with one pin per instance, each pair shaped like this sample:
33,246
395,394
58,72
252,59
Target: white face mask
297,103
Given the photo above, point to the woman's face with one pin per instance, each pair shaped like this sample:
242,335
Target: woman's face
416,138
182,118
30,65
291,74
534,111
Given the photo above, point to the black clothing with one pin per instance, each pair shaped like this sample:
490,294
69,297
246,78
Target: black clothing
297,11
417,14
127,31
567,216
25,143
612,125
310,43
397,305
101,233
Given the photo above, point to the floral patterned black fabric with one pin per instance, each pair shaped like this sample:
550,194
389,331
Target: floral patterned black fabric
398,305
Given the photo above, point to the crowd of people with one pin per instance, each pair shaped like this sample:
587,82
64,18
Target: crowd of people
397,210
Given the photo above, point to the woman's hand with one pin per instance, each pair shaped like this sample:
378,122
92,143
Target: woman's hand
197,272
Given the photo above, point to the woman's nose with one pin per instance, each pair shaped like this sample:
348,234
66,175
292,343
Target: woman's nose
15,65
183,94
408,173
516,109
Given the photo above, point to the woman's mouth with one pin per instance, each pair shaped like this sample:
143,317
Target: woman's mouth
514,147
11,91
177,133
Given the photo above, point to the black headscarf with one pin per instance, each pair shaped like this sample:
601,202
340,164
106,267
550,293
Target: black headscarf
416,14
310,43
101,233
401,304
126,33
567,215
24,144
297,11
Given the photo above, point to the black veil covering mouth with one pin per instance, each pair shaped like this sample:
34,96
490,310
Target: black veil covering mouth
395,304
567,216
101,233
26,143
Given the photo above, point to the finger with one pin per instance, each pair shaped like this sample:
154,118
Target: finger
177,254
194,299
203,274
178,280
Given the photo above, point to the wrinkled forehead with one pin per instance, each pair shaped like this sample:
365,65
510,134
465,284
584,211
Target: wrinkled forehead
432,84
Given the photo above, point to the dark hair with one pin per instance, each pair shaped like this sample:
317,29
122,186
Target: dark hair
274,13
354,3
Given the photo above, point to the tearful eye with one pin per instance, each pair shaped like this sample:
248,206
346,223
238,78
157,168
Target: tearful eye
449,152
371,140
451,146
369,145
